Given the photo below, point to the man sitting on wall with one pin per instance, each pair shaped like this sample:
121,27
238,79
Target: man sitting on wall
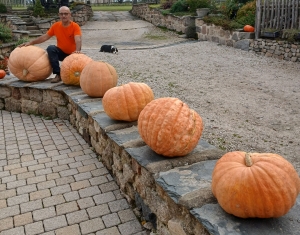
68,40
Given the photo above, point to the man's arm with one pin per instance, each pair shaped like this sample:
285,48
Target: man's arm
78,43
38,40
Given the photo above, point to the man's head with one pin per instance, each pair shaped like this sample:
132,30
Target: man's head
64,14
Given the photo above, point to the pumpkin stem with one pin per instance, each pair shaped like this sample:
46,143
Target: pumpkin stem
25,72
248,159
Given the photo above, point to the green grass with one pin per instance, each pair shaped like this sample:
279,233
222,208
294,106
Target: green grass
112,8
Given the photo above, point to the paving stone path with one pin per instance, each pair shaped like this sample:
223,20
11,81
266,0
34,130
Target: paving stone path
51,182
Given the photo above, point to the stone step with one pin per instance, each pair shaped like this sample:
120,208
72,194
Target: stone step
35,35
32,27
37,31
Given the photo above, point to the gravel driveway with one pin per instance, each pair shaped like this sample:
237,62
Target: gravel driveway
247,102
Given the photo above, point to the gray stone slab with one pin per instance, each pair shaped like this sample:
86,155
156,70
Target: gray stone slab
189,185
81,97
125,135
93,105
108,124
186,179
18,83
218,222
8,80
154,162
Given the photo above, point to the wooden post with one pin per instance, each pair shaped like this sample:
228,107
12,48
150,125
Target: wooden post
257,19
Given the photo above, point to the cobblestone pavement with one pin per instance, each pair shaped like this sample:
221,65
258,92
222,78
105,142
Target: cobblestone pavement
51,182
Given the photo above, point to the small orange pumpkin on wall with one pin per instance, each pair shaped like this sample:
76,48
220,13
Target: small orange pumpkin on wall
169,127
249,185
249,28
30,63
71,68
97,77
127,101
2,73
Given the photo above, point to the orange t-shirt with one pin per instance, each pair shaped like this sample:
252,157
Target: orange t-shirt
65,36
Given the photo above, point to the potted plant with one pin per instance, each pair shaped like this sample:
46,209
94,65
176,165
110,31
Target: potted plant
201,7
270,33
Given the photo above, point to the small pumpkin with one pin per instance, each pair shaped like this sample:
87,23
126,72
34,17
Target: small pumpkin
249,185
97,77
2,73
30,63
249,28
169,127
126,102
71,68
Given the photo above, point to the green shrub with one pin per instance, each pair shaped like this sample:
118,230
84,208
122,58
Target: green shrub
38,9
19,42
229,8
167,4
246,14
222,21
179,6
3,8
194,4
5,33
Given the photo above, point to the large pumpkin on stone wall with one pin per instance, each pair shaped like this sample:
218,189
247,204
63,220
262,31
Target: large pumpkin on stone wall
29,63
169,127
127,101
262,185
97,77
71,68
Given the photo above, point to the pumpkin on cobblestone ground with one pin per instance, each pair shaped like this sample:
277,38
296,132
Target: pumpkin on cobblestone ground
71,68
125,102
30,63
97,77
255,185
169,127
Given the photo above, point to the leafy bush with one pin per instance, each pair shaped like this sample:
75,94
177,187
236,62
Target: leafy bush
222,21
19,42
38,9
246,14
230,8
179,6
5,33
167,4
3,8
3,63
194,4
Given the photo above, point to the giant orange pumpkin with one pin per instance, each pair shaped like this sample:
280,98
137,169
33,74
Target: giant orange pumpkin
127,101
169,127
29,63
71,68
97,77
262,185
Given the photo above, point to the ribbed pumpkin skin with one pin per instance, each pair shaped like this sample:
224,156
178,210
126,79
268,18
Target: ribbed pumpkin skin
267,189
71,68
97,77
126,102
29,64
169,127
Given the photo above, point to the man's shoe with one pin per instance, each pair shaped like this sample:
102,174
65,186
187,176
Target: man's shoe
56,79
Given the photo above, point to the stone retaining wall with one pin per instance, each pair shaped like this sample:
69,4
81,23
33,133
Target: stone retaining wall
172,194
185,24
192,26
